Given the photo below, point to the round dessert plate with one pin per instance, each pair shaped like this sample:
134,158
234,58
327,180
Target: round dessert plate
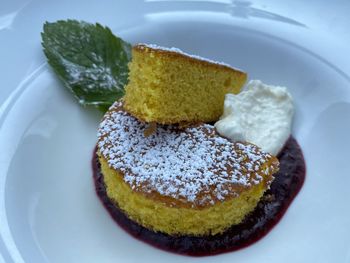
49,211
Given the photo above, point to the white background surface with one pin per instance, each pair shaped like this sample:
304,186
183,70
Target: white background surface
48,208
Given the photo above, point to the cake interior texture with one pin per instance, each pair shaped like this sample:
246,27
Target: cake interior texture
168,87
158,216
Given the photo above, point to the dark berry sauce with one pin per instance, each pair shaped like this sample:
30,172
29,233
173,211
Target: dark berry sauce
288,181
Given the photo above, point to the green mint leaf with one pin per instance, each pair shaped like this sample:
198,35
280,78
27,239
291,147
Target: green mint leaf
89,59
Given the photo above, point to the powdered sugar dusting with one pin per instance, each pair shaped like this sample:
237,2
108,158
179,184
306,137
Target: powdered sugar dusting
100,74
194,165
177,50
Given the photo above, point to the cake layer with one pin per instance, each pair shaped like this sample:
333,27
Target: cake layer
289,179
180,180
156,214
168,86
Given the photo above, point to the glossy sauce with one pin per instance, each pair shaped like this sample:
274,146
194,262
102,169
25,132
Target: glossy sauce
288,181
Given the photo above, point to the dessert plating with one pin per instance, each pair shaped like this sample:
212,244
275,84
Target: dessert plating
185,190
180,185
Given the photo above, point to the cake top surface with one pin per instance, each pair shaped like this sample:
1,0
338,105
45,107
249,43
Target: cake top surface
179,51
193,166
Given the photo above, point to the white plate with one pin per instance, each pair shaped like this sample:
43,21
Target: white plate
48,208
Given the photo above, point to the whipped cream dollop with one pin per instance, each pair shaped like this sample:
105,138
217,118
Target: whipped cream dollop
261,114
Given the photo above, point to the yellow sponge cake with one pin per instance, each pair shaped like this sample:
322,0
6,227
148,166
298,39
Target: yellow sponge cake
187,182
168,86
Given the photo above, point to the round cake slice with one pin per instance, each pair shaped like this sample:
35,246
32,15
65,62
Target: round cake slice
180,181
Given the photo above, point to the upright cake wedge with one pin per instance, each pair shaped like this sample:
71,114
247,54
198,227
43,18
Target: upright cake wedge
167,86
